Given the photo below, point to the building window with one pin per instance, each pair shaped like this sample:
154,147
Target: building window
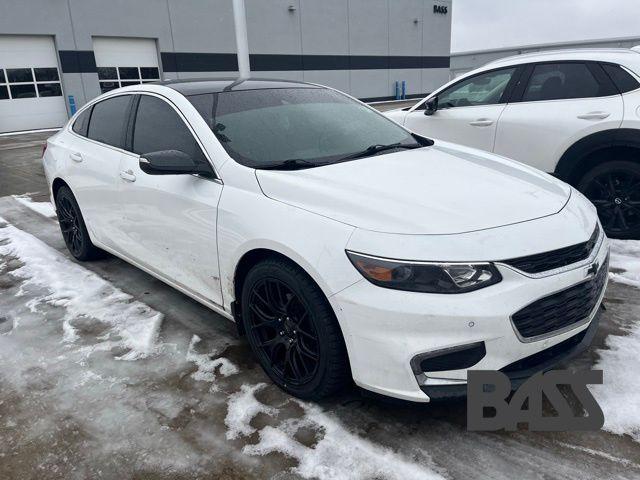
115,77
17,83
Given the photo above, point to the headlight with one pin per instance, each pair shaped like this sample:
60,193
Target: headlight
425,277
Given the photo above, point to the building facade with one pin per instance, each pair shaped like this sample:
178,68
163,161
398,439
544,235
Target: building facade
55,55
463,62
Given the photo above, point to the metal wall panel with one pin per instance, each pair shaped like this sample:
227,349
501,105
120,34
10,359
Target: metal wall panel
360,46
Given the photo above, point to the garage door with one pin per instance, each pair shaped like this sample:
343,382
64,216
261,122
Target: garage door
125,61
30,89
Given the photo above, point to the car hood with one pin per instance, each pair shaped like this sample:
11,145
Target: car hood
442,189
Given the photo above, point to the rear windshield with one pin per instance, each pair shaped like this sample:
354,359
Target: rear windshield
315,125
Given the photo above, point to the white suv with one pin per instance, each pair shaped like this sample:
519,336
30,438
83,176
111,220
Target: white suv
572,113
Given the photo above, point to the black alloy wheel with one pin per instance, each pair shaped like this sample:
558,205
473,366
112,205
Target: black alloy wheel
614,188
280,323
292,330
72,226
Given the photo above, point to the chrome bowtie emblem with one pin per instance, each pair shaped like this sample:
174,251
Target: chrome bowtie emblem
592,270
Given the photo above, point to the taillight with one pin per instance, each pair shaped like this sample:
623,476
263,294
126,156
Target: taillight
44,149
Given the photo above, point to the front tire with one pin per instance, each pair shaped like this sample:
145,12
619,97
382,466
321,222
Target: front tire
72,226
614,188
293,331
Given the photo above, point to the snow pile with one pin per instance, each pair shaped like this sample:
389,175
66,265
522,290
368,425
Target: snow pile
619,396
625,261
43,208
338,454
87,298
243,406
207,365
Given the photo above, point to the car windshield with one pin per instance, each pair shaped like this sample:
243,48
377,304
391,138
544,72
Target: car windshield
294,128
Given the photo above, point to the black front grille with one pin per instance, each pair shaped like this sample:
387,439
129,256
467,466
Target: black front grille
561,309
542,262
545,356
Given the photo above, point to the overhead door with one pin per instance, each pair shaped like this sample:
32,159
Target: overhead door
30,88
125,61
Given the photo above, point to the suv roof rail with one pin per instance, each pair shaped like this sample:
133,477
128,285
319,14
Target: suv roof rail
635,49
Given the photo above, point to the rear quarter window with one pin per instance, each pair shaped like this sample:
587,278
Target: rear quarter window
81,124
622,79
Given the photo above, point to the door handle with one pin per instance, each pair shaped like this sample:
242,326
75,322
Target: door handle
75,156
594,116
481,122
127,175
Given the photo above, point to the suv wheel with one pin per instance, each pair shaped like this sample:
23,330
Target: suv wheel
293,331
614,188
73,228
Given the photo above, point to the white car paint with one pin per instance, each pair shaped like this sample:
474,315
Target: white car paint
415,193
437,203
536,133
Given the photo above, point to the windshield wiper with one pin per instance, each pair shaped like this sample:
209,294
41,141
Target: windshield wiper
373,149
291,164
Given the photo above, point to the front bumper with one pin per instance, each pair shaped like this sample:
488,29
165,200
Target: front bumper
385,329
518,372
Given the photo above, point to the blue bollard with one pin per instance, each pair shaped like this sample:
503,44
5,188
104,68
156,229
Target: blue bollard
404,90
72,105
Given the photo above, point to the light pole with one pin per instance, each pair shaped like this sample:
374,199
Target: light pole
242,43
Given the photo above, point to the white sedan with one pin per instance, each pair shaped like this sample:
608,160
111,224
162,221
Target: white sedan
345,247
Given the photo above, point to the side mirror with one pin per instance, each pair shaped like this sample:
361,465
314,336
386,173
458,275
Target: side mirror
431,106
172,162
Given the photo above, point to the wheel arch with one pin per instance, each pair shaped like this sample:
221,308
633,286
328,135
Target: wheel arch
588,152
252,257
56,185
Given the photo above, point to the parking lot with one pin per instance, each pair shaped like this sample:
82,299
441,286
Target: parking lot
105,372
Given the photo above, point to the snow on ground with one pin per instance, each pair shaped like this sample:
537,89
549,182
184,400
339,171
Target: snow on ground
83,294
625,262
619,396
43,208
76,408
337,454
68,403
208,366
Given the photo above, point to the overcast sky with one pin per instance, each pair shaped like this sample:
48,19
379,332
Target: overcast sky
482,24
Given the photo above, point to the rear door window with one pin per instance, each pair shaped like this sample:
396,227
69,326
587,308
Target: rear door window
561,81
108,120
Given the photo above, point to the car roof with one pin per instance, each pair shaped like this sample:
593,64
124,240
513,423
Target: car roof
615,55
198,86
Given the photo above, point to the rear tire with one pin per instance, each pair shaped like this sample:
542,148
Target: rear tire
614,188
73,229
293,331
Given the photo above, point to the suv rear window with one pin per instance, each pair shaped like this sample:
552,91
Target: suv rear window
622,79
558,81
